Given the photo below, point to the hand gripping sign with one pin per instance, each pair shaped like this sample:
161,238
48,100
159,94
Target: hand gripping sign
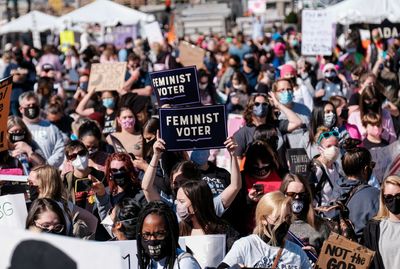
202,127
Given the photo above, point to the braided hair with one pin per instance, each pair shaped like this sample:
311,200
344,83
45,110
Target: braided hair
127,213
161,209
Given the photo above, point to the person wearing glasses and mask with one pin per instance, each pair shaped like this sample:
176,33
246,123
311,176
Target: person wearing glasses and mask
157,239
46,216
331,85
122,181
306,226
325,174
77,156
382,233
267,246
259,111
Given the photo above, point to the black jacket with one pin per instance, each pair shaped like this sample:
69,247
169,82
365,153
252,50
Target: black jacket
371,240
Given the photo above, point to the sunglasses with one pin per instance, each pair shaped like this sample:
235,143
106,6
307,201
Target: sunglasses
263,104
390,197
330,70
294,194
114,170
327,135
73,156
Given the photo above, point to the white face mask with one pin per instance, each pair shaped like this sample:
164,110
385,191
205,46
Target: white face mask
108,224
81,162
331,154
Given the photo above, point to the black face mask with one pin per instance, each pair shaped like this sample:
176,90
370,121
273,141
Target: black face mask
33,192
344,114
280,233
300,207
17,137
393,204
32,112
260,172
121,178
156,249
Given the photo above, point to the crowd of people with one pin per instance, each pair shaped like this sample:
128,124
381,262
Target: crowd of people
98,169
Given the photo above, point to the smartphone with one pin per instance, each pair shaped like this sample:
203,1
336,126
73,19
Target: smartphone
259,188
83,185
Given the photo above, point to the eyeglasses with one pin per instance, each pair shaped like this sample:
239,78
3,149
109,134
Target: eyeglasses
327,135
58,228
73,156
258,104
115,170
294,194
390,197
284,89
156,235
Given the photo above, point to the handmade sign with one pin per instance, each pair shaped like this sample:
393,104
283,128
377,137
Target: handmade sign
340,252
191,55
153,33
317,33
176,87
13,211
202,127
107,77
128,253
5,95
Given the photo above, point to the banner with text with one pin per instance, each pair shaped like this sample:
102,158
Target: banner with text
25,249
176,87
107,77
13,211
317,33
191,128
340,252
387,29
5,95
298,161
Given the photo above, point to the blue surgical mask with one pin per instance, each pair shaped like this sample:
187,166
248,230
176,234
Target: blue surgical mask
286,97
260,110
84,85
331,74
108,102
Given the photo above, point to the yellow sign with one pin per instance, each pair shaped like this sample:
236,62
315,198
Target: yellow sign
107,77
5,95
67,38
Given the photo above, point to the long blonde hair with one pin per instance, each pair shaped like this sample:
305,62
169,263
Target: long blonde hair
271,204
50,182
383,212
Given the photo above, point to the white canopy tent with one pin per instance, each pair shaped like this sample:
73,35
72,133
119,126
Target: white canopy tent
33,21
365,11
105,13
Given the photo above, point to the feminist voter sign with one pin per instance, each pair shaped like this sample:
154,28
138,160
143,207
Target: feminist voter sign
201,127
176,87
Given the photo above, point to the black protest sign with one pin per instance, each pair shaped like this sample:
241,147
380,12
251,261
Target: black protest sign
340,252
202,127
176,87
298,161
387,29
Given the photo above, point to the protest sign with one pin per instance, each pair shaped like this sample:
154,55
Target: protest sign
13,211
24,249
67,38
340,252
387,29
208,250
257,6
176,87
202,127
317,33
17,178
5,95
298,161
128,253
191,55
107,77
153,33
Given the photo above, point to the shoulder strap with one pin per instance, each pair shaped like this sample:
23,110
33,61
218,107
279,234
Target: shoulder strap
118,147
278,256
181,256
355,190
324,178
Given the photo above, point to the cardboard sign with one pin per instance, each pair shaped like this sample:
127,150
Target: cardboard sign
176,87
298,161
24,249
5,95
13,211
153,33
191,55
191,128
208,250
340,252
107,77
317,33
